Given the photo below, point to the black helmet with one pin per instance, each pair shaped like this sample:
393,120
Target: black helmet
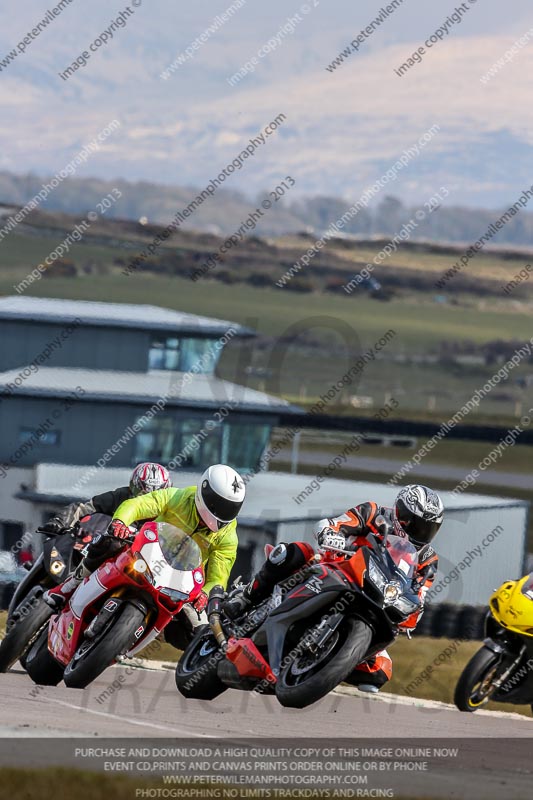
418,513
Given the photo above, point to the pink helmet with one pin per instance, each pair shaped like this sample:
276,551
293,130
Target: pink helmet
149,477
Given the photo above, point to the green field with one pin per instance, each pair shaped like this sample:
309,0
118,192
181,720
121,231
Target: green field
316,335
412,657
419,325
327,334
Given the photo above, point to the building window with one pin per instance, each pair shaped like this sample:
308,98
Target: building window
244,445
164,354
187,444
194,444
46,437
156,441
181,355
199,445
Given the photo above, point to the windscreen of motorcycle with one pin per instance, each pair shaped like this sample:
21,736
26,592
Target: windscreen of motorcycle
173,558
527,587
403,554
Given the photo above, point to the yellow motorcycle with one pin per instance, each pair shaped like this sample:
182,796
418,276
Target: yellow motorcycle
502,670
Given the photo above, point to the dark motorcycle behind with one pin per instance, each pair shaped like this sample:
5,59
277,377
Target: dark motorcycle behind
28,613
308,636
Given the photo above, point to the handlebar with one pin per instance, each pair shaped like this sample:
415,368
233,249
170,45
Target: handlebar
126,540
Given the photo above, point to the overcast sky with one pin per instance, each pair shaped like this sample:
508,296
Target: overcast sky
343,128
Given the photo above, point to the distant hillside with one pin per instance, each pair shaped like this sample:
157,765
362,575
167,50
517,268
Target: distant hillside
225,211
119,247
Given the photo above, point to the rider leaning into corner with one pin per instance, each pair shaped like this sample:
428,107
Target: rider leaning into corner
145,478
417,514
206,512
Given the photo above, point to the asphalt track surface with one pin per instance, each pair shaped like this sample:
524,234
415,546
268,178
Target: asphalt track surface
148,705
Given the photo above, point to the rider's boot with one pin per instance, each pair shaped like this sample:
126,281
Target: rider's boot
241,601
59,595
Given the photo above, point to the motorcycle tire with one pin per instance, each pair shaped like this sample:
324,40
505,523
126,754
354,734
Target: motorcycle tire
300,689
42,668
24,629
477,669
196,671
102,651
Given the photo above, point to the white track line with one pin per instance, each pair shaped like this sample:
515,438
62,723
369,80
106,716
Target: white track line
166,728
387,697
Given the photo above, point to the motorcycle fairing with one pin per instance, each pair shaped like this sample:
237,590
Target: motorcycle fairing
248,660
329,582
36,574
284,616
66,559
322,579
91,588
512,606
63,636
57,554
506,643
356,571
164,575
148,638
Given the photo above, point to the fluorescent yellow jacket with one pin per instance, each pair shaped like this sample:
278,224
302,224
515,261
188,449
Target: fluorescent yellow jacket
177,506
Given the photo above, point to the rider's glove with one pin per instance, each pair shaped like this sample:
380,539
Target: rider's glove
54,525
119,530
200,604
383,526
328,539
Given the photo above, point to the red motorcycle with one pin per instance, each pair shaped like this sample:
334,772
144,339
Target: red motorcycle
120,608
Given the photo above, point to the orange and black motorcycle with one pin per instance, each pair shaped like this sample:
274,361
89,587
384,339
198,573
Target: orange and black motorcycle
316,626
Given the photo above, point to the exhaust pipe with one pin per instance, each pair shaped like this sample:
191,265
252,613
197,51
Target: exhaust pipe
214,607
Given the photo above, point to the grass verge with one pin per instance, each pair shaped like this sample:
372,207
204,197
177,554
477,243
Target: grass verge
412,657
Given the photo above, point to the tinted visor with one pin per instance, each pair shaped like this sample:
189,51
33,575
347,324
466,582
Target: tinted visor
222,509
420,531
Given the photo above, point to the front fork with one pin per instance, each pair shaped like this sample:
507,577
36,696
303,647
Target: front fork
322,631
500,650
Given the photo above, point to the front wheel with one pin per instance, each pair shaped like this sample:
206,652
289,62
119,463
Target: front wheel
196,671
93,656
475,687
24,625
42,668
310,675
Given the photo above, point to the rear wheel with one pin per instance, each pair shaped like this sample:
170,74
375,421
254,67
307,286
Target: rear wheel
475,686
196,671
42,668
311,674
24,625
93,656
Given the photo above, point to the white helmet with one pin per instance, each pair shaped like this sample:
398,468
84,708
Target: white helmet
219,496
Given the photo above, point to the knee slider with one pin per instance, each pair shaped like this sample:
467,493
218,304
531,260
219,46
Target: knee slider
278,555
